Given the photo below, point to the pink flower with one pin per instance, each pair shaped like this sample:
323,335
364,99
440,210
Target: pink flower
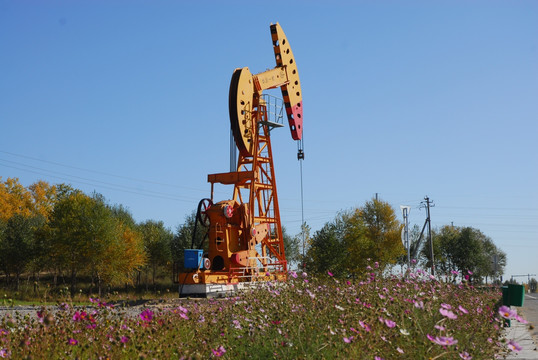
5,353
439,327
378,358
419,304
293,274
506,312
124,339
364,325
514,346
72,341
390,323
465,355
3,332
330,273
520,319
442,340
218,352
146,315
449,314
348,340
463,310
446,306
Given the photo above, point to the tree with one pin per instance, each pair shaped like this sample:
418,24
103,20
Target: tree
327,249
466,250
157,240
373,233
291,247
17,248
14,199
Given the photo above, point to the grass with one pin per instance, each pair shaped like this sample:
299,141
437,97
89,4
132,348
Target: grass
396,317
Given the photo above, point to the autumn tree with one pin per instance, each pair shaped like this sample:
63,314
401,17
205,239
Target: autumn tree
373,234
355,239
15,199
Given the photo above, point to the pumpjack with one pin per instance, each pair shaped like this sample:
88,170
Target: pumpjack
244,234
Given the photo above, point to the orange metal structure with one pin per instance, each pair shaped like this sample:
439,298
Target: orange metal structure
245,233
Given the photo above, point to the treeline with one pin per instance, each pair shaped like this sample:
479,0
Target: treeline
59,231
368,237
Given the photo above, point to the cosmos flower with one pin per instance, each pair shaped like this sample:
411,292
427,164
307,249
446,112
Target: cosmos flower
218,352
390,323
72,341
514,346
146,315
506,312
442,340
465,355
447,313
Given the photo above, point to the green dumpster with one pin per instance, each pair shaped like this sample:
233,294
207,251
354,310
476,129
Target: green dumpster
513,295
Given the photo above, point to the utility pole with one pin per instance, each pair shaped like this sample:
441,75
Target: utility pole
427,204
405,214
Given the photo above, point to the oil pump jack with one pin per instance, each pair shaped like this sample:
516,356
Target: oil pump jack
244,234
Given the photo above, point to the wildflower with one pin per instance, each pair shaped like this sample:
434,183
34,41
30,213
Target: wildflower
218,352
376,265
454,272
348,340
419,304
442,340
364,325
378,358
449,314
514,346
506,312
5,353
293,274
330,273
72,341
124,339
520,319
446,306
404,332
79,315
146,315
439,327
339,307
237,325
390,323
3,332
463,310
183,316
465,355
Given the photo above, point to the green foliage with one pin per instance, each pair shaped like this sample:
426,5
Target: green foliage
465,250
346,245
18,247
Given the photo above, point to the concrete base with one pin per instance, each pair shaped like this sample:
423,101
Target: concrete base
213,290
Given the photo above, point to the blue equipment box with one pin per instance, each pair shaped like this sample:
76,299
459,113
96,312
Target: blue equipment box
193,258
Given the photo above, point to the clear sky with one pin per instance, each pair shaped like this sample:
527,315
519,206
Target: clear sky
401,98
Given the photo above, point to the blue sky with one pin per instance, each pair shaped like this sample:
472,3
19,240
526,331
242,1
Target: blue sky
403,99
